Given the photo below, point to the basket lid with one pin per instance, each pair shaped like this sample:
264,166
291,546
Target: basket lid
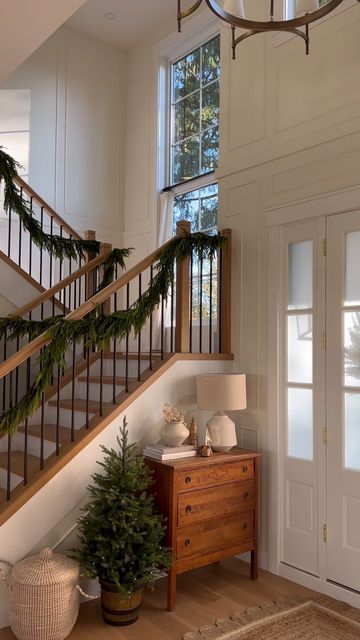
47,568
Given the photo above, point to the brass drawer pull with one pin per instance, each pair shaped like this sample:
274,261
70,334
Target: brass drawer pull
244,468
246,495
245,526
188,508
188,480
187,542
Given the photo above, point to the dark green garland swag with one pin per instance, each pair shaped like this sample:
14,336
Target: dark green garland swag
14,201
98,329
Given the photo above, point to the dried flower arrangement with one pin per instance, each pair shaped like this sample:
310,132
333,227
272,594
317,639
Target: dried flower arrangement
172,414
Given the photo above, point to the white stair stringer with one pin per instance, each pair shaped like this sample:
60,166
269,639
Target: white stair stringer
51,504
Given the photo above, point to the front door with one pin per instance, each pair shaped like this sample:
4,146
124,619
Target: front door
343,399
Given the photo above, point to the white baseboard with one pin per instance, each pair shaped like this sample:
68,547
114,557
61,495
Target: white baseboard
320,585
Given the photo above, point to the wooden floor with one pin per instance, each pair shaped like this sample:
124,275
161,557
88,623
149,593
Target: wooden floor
203,595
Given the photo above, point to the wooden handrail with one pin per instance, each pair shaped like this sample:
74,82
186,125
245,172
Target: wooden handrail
99,298
30,192
49,293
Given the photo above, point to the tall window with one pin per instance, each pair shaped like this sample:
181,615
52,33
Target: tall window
195,112
195,106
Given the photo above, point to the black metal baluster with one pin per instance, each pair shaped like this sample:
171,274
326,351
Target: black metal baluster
4,378
75,297
139,336
8,474
127,341
73,393
53,306
101,381
41,247
26,428
42,431
200,307
61,259
50,255
87,384
114,354
162,329
210,304
30,238
172,317
191,303
79,282
151,323
58,411
220,294
9,234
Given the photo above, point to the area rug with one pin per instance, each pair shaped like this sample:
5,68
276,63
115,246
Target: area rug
288,618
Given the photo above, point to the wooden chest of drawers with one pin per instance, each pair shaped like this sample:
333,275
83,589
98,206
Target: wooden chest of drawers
211,508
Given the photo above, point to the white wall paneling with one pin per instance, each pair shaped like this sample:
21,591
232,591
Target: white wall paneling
77,129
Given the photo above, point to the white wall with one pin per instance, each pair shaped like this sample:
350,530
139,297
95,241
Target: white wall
77,129
43,16
53,510
290,130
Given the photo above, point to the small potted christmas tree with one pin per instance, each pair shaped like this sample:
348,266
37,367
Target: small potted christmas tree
120,535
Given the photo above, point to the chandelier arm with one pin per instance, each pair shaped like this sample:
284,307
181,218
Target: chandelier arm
272,25
254,32
187,12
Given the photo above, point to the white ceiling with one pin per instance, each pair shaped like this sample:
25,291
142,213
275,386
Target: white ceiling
134,19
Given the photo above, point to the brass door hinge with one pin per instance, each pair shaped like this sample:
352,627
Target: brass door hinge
324,341
325,435
325,533
324,247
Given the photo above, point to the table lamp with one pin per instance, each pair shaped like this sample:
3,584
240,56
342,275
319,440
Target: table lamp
226,392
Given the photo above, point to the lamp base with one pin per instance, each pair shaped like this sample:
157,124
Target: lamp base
222,434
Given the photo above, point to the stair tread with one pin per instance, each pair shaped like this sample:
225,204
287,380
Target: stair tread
17,462
79,404
131,356
120,381
49,432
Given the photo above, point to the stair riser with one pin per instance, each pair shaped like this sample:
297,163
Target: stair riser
94,391
108,367
14,479
65,417
33,444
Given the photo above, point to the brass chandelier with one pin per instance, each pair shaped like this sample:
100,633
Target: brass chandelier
298,15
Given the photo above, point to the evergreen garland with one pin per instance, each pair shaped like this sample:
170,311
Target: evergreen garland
120,536
14,201
98,329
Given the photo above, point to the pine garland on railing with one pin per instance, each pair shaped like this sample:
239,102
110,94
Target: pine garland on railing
14,201
98,329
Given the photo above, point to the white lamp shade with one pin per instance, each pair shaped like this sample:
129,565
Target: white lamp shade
235,7
226,391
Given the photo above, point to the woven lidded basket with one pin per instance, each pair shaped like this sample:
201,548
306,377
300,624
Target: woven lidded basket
44,596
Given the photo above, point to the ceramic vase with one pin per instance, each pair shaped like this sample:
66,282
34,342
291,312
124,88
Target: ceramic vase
174,433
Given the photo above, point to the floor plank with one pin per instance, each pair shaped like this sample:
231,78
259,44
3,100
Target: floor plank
202,596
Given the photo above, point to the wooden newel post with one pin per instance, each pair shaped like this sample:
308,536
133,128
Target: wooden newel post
89,286
182,330
225,294
106,249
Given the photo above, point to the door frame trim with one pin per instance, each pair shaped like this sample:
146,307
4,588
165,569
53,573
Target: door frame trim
319,584
322,206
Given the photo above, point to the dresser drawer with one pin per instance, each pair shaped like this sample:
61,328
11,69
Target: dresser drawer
215,534
199,477
204,504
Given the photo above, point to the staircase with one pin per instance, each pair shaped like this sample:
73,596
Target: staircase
98,385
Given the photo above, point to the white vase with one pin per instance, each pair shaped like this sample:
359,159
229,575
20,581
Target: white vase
174,433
